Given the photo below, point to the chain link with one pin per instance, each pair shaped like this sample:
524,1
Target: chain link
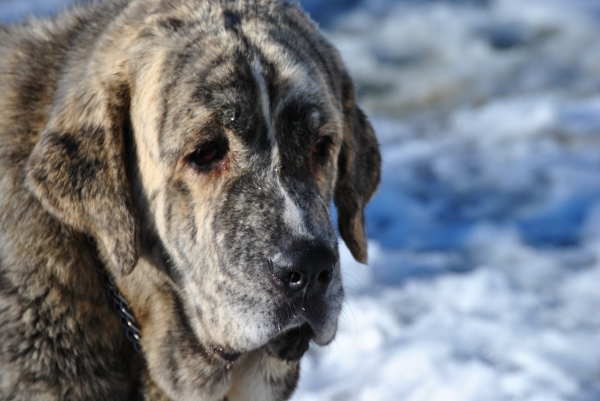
119,304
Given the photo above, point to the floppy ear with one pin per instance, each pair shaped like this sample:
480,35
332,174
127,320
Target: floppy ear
359,172
77,168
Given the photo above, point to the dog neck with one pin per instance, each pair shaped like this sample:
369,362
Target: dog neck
119,303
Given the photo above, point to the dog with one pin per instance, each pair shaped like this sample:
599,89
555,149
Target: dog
189,150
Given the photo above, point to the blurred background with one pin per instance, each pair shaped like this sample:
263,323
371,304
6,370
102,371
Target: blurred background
484,274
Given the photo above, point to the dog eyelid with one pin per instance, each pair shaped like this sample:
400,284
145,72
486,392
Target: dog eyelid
320,147
208,155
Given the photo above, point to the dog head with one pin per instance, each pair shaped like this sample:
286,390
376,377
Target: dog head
210,139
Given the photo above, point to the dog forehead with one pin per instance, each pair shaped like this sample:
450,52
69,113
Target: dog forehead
248,81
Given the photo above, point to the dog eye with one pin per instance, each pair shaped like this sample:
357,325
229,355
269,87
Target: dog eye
209,154
320,148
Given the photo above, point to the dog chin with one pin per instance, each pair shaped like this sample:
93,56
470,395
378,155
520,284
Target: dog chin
291,343
287,340
325,335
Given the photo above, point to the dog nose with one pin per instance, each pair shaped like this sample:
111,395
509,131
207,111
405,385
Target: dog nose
305,265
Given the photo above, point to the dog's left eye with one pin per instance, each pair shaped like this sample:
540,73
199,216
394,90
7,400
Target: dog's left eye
320,148
208,155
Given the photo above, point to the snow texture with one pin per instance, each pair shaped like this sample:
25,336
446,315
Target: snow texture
485,233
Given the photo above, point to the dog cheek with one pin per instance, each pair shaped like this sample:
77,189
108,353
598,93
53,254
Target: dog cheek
216,267
242,232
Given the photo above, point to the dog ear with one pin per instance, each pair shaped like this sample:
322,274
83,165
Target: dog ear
77,168
359,172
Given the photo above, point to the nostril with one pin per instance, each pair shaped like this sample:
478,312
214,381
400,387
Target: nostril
325,277
296,281
295,278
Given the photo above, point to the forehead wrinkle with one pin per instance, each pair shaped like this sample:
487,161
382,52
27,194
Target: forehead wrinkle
176,75
145,104
213,54
291,61
223,73
237,107
191,135
182,69
248,93
299,39
289,67
214,79
263,96
295,71
300,74
227,76
301,96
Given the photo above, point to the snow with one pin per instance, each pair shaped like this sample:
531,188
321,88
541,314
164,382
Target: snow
484,265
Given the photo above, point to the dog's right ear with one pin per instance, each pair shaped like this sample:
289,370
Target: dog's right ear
77,168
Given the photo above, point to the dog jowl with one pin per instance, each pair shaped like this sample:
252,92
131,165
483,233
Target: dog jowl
200,143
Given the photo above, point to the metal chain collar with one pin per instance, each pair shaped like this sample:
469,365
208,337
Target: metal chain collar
119,304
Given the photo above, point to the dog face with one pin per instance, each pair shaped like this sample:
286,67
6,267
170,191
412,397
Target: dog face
210,140
240,186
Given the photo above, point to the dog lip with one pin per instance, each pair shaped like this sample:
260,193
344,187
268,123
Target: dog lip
226,354
302,317
323,330
298,320
292,344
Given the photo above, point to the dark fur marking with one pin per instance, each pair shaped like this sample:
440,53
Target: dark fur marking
172,68
239,94
186,203
286,35
316,44
165,261
169,213
173,24
81,170
232,20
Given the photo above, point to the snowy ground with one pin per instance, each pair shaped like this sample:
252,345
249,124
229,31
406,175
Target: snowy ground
484,273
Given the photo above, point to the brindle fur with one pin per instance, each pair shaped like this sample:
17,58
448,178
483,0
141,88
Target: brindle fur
100,109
